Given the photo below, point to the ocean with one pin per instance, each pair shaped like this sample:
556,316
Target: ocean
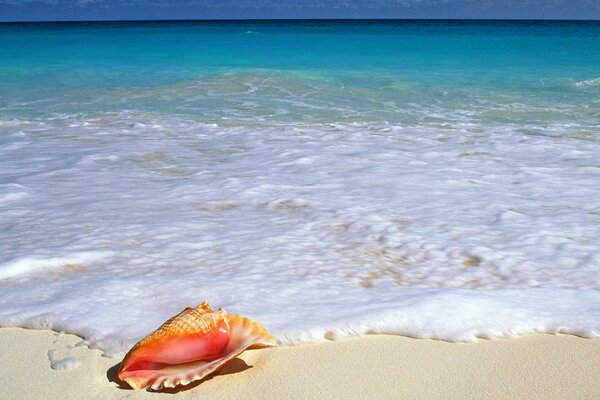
436,179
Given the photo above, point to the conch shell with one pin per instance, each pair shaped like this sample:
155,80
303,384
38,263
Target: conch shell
189,346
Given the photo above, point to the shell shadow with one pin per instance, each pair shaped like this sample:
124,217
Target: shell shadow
235,366
112,376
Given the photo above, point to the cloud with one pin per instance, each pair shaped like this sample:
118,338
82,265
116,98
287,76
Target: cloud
29,3
359,4
299,4
152,9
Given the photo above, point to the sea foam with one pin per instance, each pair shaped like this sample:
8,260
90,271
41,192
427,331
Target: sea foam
318,232
431,179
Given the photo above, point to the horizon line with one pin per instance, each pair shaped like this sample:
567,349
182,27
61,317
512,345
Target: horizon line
297,19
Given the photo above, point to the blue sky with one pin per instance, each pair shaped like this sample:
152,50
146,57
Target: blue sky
36,10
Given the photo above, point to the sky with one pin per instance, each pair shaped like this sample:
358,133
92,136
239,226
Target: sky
66,10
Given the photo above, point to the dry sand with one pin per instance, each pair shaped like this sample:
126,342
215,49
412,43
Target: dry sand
371,367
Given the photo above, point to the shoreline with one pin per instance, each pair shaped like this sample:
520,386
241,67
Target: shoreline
383,366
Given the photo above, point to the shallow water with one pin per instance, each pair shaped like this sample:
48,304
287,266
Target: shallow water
325,178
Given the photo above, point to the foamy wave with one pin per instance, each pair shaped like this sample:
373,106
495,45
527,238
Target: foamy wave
588,83
33,265
316,230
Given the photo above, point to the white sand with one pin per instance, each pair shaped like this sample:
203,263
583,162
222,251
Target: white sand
379,366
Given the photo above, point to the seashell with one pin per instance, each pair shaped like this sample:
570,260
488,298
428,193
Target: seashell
190,346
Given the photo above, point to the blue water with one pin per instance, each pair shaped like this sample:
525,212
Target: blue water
326,178
404,72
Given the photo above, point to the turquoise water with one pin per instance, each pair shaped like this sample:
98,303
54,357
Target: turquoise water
430,179
406,72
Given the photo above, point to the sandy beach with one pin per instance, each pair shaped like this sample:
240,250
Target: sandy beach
377,366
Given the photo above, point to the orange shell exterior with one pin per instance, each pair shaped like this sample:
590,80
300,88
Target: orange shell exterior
189,346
